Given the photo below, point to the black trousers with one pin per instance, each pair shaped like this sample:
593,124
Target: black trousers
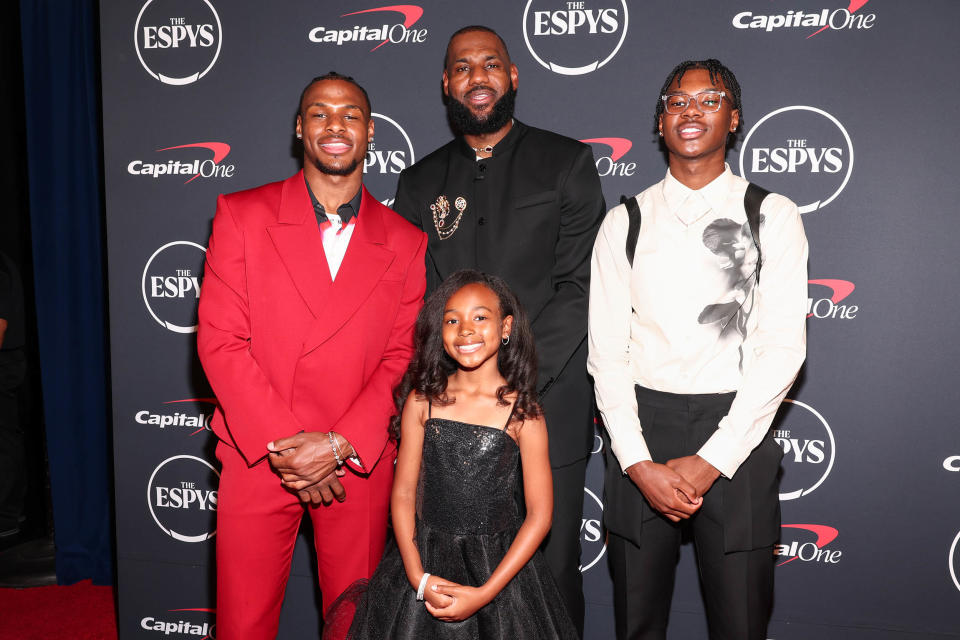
13,480
561,549
733,532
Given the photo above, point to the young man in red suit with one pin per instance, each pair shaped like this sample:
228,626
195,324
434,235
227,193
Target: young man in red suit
309,298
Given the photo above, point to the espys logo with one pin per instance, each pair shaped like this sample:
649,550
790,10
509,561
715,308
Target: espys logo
593,539
953,561
801,152
177,41
822,307
185,165
574,38
205,630
397,33
171,285
808,448
609,164
805,550
389,153
842,19
182,498
195,418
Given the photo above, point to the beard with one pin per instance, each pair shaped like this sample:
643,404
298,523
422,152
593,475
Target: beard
464,122
336,171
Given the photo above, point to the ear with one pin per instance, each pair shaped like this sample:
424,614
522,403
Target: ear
514,76
299,126
660,124
370,128
506,327
734,120
446,81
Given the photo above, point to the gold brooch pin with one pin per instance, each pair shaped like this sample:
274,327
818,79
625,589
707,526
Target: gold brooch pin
441,210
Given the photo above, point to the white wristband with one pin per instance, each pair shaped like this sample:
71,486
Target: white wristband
423,584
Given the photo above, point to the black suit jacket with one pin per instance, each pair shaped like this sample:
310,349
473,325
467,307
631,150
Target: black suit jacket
531,217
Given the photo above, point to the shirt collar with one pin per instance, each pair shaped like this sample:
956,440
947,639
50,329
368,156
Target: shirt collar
714,195
345,211
505,144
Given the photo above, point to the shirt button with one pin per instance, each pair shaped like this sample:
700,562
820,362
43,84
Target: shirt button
482,221
481,167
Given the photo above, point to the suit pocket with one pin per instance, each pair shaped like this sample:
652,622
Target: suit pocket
534,199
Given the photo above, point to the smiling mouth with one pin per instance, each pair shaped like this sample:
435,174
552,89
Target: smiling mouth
469,348
690,131
335,148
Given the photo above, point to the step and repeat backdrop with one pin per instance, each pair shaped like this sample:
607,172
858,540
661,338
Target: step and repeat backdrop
850,109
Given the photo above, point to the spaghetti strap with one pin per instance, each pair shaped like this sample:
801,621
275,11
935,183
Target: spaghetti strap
509,417
429,409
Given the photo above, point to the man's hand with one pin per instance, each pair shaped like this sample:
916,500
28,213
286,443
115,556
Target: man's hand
465,601
325,491
303,459
697,471
666,490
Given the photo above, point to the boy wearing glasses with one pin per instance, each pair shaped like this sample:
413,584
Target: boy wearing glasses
692,353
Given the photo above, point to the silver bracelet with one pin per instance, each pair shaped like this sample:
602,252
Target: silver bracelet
335,449
423,585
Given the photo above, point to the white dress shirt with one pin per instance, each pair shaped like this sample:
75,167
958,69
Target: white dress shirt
689,317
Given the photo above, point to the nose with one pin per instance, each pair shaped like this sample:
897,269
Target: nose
335,122
693,108
466,328
478,74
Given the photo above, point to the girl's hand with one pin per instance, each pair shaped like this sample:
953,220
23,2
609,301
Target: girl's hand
434,599
466,601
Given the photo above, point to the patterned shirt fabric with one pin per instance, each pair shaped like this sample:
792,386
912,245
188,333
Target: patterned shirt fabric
689,316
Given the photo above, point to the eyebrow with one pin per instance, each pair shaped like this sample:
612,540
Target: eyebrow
489,57
345,106
477,308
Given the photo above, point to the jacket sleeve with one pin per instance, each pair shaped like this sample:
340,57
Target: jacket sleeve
561,325
364,425
254,412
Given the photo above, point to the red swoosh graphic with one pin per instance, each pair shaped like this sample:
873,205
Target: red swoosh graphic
841,288
207,400
825,535
854,5
204,610
619,146
411,13
220,151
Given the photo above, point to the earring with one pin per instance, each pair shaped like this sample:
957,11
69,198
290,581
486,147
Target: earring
505,341
300,136
661,133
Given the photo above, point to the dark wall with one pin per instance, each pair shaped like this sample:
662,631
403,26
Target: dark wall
855,123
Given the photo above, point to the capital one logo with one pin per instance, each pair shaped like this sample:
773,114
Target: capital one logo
826,300
191,414
171,285
954,561
377,34
388,153
177,41
802,152
807,543
808,448
574,38
182,498
811,22
609,164
205,630
187,163
593,539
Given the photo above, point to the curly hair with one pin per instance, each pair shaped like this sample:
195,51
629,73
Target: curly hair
717,70
431,364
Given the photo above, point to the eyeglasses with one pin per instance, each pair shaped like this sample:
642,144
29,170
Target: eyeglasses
707,101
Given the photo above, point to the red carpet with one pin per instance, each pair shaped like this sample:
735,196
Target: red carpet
79,612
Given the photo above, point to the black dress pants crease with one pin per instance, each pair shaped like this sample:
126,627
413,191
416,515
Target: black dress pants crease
733,532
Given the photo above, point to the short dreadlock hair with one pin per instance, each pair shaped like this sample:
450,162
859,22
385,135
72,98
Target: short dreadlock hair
333,75
717,70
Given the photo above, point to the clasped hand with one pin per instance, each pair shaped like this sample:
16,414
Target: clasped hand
307,466
452,602
675,489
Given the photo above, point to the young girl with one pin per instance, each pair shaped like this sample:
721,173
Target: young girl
469,421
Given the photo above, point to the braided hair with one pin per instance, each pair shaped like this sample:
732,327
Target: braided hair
717,70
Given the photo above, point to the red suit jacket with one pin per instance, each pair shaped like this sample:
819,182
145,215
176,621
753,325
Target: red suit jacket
285,348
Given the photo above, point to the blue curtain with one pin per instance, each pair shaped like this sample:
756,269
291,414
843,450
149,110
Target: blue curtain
61,79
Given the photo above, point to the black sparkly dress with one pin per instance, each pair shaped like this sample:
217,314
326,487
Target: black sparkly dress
467,516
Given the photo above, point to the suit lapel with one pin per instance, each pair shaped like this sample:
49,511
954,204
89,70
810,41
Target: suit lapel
366,260
296,237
